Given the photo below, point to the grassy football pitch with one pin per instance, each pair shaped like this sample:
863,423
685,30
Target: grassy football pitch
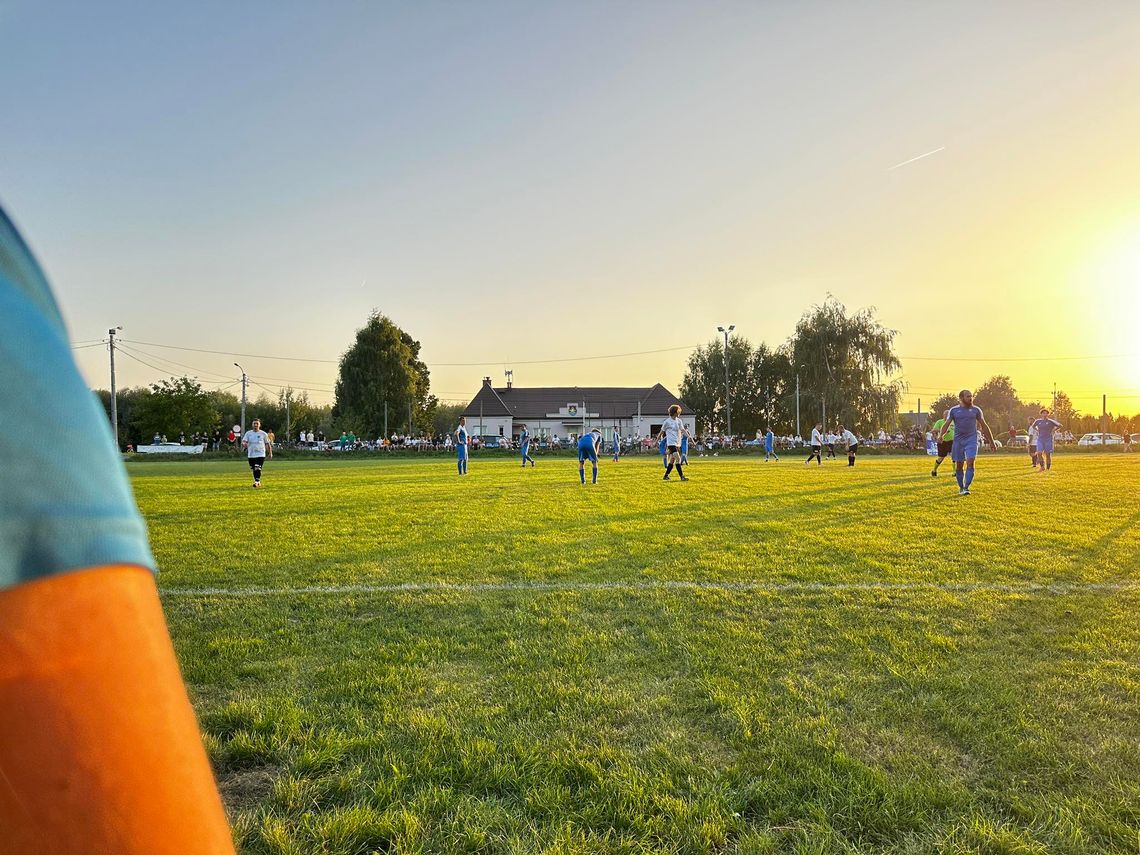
768,658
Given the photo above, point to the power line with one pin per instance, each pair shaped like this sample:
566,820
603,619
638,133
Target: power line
172,362
429,364
85,346
1017,358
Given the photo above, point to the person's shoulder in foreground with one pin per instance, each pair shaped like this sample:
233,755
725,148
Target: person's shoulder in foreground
99,748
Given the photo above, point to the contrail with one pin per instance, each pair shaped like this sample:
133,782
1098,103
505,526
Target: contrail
920,157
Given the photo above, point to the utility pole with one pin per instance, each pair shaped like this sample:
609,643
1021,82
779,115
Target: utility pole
287,427
244,380
114,398
727,394
798,404
1103,415
385,420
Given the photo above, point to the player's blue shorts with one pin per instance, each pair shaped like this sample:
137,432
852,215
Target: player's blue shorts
1044,444
963,449
461,450
525,448
588,452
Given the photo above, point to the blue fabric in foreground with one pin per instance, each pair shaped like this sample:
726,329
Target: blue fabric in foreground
65,503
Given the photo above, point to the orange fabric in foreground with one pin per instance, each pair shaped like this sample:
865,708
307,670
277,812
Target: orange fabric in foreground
99,748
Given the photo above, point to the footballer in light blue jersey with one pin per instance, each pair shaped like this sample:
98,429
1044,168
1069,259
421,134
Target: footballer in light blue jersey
966,419
461,445
524,445
1045,427
588,450
770,446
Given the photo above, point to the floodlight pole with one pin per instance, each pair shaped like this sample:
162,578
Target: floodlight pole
244,379
114,398
727,393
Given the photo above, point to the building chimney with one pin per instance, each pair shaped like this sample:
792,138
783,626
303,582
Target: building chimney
486,381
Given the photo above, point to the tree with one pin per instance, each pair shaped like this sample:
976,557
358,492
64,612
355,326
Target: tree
757,381
942,404
174,406
999,401
843,361
445,418
1063,409
382,368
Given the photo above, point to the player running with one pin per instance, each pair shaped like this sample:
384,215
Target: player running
852,443
816,445
770,446
461,439
588,445
258,446
617,445
966,419
1045,426
672,429
524,444
943,445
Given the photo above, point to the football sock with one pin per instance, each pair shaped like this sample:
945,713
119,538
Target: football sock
959,478
582,474
679,472
969,477
595,474
668,468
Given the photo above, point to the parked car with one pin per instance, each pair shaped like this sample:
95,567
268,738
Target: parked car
1095,439
1019,441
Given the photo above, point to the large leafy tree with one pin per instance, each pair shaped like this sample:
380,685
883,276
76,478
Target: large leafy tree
757,382
382,367
999,400
171,407
942,404
844,363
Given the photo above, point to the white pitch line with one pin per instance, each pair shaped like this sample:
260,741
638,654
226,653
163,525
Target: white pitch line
678,585
920,157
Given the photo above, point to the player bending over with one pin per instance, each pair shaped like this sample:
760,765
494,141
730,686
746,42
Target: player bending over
588,450
852,443
966,419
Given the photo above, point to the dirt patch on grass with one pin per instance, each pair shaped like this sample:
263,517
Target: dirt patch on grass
242,789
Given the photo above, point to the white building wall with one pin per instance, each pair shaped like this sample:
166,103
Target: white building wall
628,428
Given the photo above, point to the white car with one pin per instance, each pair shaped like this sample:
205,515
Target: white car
1092,439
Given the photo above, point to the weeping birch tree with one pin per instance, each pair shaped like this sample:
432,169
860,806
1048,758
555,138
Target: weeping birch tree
844,364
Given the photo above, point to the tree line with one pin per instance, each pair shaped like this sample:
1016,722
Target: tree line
1004,408
181,406
839,362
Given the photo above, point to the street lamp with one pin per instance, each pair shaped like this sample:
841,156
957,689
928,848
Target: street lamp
727,394
243,381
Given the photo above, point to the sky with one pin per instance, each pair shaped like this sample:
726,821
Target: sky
515,183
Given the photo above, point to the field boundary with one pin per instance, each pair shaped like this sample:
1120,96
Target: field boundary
1051,588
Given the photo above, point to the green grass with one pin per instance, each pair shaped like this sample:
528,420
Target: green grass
871,664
